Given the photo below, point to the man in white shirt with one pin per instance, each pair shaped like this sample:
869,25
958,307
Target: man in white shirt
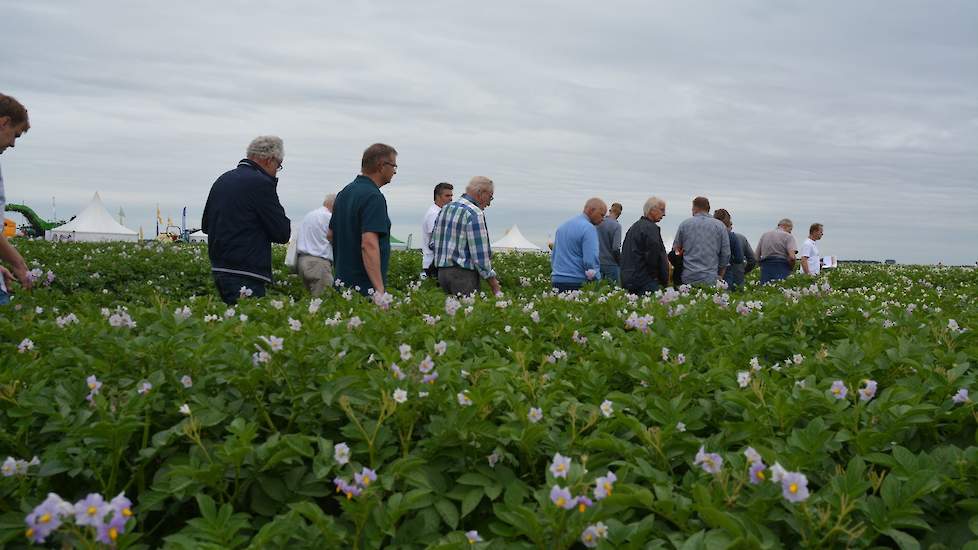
443,195
13,123
811,262
314,254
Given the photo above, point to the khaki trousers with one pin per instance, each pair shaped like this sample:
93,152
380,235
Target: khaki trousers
316,273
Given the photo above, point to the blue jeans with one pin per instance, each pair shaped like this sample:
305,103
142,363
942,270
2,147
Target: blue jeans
4,297
229,286
611,273
774,269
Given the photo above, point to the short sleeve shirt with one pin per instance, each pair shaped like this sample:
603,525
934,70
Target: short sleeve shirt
359,208
810,251
776,244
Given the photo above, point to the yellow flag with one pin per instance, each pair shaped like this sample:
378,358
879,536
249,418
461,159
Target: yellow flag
159,217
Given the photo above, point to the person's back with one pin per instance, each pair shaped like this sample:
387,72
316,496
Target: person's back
776,252
705,248
360,207
575,255
609,244
241,226
314,253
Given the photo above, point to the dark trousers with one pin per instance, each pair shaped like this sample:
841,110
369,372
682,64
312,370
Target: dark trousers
774,269
455,280
651,286
229,286
566,287
611,273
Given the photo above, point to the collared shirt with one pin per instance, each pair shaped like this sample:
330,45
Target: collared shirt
462,239
575,251
706,248
810,250
311,239
359,208
776,243
609,241
427,226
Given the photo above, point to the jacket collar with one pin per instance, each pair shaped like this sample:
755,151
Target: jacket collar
252,164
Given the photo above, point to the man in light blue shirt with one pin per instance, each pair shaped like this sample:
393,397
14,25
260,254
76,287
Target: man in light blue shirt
575,256
703,243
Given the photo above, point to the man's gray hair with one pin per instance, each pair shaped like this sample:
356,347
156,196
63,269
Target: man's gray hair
266,147
653,202
329,200
786,221
479,184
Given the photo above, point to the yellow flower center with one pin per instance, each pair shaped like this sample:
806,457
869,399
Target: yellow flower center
561,501
29,532
366,481
91,386
92,510
836,391
607,488
349,495
561,467
793,488
45,518
127,512
581,507
588,537
760,475
113,533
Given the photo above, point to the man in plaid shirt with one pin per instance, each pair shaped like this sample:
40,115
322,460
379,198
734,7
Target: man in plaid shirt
460,240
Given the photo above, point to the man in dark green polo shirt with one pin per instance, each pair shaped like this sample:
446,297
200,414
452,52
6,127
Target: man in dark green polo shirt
360,227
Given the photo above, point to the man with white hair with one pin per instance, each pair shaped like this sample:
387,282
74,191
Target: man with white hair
242,218
575,259
13,123
461,241
776,252
644,263
314,253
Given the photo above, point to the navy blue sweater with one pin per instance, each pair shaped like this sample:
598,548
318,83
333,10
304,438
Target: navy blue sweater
242,217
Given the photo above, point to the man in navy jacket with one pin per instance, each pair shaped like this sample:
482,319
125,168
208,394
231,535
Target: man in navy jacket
242,218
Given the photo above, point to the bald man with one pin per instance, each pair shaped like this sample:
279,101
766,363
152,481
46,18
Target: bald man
575,256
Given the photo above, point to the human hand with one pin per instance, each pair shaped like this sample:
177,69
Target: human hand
24,277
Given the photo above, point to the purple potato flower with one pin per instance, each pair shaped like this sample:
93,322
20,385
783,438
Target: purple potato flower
794,486
562,497
711,463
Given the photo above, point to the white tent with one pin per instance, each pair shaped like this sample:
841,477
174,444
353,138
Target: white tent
513,241
93,223
198,237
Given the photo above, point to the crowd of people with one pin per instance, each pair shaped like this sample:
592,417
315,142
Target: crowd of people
346,241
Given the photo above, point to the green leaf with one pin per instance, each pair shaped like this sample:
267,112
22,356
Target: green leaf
471,500
447,511
903,540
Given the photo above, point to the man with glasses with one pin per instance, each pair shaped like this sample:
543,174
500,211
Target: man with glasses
242,218
360,228
443,194
644,264
461,241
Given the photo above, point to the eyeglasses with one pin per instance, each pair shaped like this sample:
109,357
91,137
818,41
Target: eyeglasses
281,166
388,163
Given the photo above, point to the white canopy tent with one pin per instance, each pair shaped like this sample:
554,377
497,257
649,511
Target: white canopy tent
514,241
92,224
198,236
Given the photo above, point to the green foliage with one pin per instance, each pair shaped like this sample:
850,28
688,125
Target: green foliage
253,465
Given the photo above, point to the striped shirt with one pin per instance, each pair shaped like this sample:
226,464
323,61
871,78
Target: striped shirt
461,238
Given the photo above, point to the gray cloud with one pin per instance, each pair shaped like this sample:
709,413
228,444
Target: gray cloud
862,116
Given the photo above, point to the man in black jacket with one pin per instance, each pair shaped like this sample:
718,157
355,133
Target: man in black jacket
644,266
242,218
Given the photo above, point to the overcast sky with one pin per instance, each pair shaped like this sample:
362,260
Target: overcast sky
859,115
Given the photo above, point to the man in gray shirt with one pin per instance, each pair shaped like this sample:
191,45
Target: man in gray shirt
609,244
703,243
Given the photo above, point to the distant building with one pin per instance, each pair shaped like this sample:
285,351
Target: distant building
890,262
